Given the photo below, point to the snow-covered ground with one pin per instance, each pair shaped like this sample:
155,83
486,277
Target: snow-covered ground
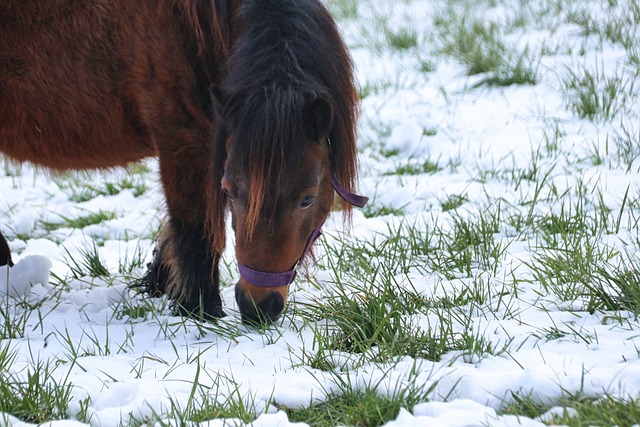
481,137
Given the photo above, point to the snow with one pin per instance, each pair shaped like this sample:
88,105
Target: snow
17,280
132,368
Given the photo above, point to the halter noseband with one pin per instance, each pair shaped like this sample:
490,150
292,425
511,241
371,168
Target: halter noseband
272,280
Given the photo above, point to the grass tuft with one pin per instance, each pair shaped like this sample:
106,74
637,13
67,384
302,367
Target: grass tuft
596,95
365,405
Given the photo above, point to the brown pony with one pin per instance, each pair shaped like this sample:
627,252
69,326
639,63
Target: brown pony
237,98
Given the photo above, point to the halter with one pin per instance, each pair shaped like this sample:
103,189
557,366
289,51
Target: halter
272,280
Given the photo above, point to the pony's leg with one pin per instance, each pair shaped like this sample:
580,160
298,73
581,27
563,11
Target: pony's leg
5,253
185,266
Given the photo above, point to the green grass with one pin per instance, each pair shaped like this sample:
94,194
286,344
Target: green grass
416,168
401,39
361,405
373,321
478,45
88,263
34,394
371,210
81,187
453,202
578,411
596,95
79,222
343,9
605,411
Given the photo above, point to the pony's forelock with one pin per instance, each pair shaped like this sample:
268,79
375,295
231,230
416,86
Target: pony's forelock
267,131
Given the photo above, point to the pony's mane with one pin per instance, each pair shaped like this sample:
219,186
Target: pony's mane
285,54
209,21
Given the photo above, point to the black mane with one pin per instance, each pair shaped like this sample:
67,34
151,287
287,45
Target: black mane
283,55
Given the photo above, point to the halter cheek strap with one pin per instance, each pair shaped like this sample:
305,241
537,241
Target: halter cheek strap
272,280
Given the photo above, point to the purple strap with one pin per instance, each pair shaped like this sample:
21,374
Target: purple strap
354,199
272,280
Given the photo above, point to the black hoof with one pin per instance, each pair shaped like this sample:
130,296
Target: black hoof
5,253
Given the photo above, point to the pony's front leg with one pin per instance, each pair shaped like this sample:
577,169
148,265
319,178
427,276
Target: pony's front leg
5,252
185,266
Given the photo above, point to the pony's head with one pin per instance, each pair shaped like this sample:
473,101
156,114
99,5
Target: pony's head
288,91
277,182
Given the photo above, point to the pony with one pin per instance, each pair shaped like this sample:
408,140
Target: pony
250,107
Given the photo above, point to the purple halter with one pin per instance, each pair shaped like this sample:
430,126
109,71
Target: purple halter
272,280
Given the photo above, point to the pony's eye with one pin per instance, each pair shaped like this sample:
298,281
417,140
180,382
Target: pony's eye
227,193
307,201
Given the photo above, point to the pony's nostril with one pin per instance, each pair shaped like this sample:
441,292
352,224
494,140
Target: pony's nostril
265,311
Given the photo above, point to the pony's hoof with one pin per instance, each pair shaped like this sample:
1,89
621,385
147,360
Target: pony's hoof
264,311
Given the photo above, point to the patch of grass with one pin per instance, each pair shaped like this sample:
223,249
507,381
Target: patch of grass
387,84
594,95
14,320
553,135
427,66
478,45
431,131
453,201
34,395
626,144
402,39
618,25
81,188
518,68
223,399
90,264
343,9
567,271
605,411
469,245
80,222
398,249
615,287
361,406
576,411
525,405
138,311
130,263
374,318
372,211
412,168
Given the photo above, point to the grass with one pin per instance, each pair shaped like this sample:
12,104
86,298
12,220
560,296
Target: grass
34,394
343,9
81,188
576,411
374,322
361,405
597,95
401,39
453,202
89,263
79,222
413,168
478,45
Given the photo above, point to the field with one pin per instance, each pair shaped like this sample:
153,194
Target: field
493,279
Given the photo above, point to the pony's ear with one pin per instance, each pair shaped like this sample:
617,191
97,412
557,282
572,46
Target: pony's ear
318,119
218,98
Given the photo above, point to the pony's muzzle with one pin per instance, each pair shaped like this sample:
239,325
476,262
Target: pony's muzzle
260,305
